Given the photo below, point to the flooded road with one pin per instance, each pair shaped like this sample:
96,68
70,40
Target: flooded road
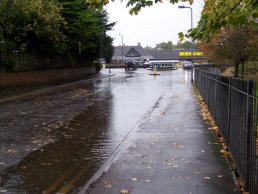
54,142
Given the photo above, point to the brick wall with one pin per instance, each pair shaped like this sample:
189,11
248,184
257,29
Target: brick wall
18,79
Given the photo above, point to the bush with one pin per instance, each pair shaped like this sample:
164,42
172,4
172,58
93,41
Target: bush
98,65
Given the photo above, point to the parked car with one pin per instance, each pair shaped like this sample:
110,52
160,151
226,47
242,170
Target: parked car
187,65
130,64
102,60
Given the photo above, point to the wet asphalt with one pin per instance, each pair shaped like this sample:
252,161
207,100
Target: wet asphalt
129,133
170,151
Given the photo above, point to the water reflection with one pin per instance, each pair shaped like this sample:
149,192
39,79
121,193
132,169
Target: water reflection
86,142
186,76
111,112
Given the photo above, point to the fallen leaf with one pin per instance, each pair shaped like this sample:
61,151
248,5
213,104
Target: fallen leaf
175,166
206,178
108,186
220,175
134,179
124,191
169,164
147,181
225,153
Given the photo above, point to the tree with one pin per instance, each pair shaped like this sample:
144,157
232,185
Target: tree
32,24
86,27
232,45
185,45
53,26
220,13
136,5
169,45
165,45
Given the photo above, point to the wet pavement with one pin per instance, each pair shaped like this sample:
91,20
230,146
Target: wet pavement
170,151
149,128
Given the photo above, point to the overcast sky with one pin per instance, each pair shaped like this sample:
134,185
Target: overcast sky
160,23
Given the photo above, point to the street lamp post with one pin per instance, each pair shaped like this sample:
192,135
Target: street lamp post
192,59
122,48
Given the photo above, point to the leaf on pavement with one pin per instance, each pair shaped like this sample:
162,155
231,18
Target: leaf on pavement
225,153
12,151
124,191
169,164
107,185
134,179
206,178
147,180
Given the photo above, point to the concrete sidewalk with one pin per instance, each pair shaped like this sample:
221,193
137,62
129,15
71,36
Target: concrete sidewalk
171,151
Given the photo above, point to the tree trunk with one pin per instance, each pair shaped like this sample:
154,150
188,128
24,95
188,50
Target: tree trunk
243,69
236,70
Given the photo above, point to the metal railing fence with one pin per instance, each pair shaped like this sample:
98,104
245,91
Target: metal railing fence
233,105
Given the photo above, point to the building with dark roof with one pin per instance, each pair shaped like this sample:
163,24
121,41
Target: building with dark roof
137,52
130,52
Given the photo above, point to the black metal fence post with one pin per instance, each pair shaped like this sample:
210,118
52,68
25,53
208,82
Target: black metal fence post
229,111
216,85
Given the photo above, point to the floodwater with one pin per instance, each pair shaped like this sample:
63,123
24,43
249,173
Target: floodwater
54,143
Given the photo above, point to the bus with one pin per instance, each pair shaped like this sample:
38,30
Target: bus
164,64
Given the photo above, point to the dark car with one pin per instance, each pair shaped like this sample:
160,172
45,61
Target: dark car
129,64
